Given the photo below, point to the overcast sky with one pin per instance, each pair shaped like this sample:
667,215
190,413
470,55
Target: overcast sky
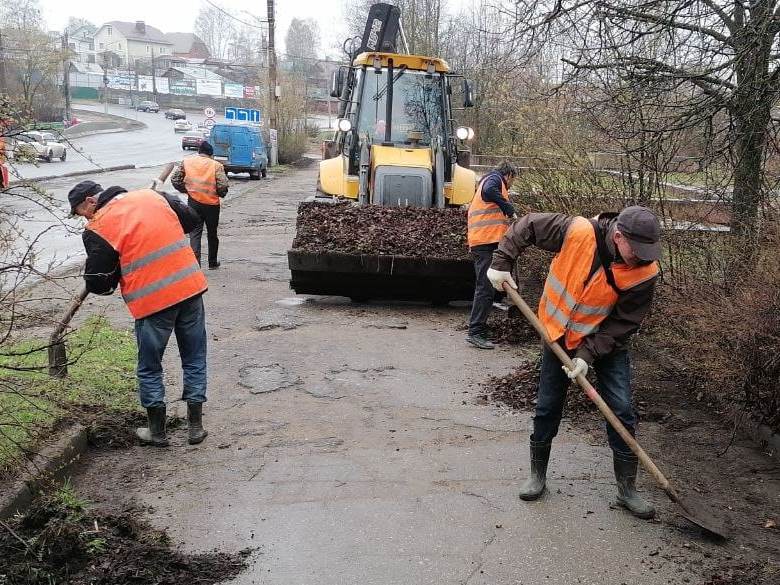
179,15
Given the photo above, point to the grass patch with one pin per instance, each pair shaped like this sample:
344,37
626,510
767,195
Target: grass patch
102,375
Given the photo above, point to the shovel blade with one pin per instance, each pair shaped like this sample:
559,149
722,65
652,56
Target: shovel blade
714,524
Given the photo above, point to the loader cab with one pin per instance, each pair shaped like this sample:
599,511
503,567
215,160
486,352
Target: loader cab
396,109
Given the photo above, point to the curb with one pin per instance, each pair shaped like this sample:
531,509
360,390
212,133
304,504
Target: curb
72,174
52,463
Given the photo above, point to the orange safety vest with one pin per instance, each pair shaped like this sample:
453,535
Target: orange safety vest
200,179
158,266
487,224
572,306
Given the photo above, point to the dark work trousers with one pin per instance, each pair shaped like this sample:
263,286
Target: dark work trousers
209,214
613,373
484,293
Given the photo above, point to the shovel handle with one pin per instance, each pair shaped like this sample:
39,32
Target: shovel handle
590,391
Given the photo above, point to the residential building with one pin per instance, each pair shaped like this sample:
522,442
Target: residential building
188,46
133,43
82,45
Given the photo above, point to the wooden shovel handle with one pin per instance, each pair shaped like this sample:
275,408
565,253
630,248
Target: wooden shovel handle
590,391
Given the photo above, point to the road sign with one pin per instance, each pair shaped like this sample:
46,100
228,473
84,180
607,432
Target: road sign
210,113
242,115
209,123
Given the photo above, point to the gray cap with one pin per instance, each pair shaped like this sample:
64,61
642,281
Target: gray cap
643,230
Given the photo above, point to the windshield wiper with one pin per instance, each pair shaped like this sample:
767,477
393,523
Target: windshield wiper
380,94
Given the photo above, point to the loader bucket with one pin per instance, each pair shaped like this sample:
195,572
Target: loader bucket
366,276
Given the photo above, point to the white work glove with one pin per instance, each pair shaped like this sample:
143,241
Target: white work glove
157,185
498,277
580,367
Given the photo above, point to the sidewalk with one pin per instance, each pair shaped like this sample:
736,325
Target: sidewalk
346,445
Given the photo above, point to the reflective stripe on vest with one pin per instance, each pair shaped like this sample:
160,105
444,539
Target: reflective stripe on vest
200,179
573,306
158,267
487,224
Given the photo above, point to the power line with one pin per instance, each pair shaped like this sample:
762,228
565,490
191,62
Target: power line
226,13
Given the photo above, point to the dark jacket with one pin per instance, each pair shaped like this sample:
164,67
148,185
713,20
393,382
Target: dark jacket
491,192
102,271
548,231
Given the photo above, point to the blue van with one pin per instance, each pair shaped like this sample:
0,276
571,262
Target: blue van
240,148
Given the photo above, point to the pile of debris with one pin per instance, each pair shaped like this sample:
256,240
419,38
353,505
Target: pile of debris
371,229
59,540
518,390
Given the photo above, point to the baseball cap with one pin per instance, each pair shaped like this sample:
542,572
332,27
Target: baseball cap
643,230
80,192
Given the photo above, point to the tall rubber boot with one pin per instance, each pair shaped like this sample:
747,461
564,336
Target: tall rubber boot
534,486
626,465
154,434
195,419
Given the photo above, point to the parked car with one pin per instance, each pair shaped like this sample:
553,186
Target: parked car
182,126
191,140
40,145
148,106
175,114
240,148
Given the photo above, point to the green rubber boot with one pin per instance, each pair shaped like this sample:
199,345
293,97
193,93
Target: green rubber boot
534,486
626,465
154,435
195,419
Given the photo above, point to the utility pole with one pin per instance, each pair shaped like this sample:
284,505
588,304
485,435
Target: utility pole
3,86
154,75
271,67
66,76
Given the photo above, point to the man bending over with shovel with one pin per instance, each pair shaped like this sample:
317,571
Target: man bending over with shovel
136,240
598,291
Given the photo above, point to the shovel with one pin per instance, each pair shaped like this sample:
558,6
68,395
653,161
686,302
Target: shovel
705,520
58,357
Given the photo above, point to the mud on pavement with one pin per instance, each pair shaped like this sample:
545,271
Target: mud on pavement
347,444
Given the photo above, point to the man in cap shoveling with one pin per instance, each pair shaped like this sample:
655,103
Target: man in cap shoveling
136,240
598,290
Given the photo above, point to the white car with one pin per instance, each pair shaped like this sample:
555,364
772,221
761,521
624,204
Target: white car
40,145
182,126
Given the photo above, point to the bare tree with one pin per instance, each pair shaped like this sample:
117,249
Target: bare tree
217,30
722,56
302,41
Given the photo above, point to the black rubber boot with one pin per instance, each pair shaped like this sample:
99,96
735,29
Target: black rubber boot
626,465
195,418
480,341
154,434
534,486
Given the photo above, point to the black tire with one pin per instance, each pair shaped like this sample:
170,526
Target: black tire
254,175
184,148
264,172
64,155
48,156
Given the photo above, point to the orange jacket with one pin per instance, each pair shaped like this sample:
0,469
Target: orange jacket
158,266
487,224
572,306
200,179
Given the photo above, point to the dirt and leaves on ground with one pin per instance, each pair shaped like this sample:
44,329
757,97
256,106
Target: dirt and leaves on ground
99,388
61,539
372,229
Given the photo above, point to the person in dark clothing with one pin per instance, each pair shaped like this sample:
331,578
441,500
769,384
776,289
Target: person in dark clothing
597,293
488,219
204,181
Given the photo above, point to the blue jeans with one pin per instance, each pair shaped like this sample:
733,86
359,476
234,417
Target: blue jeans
613,373
188,320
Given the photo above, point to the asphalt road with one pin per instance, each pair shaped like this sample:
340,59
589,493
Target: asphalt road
155,144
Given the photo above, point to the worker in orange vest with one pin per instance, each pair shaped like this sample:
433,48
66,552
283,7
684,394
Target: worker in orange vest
598,290
488,219
136,240
204,181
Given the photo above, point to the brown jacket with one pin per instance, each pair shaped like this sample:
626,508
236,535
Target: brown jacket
547,231
177,180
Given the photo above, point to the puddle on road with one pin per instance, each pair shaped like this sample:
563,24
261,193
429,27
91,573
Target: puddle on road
265,378
291,302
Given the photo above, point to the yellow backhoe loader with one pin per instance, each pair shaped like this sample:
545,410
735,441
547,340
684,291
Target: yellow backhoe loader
397,145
